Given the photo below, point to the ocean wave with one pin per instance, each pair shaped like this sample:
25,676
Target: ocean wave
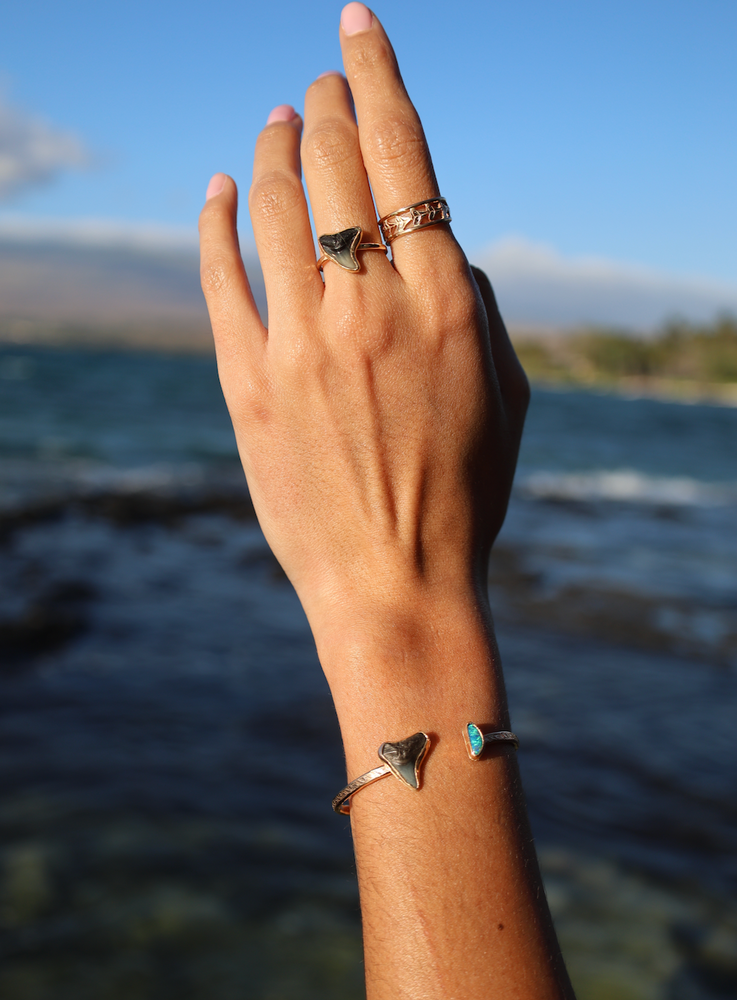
26,484
627,486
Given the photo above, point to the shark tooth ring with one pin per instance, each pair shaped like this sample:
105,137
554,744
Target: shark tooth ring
475,740
413,217
402,759
342,248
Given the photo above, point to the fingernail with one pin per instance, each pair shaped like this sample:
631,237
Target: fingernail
282,113
329,72
216,185
356,17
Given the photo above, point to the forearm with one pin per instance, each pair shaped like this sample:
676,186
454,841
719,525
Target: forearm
451,895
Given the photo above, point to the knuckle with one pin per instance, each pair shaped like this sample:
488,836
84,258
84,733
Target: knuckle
247,396
450,311
349,326
299,359
274,194
216,273
271,137
275,143
462,312
362,334
329,144
298,353
398,142
372,58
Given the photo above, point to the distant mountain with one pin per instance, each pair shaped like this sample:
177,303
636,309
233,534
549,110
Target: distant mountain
539,289
102,287
111,283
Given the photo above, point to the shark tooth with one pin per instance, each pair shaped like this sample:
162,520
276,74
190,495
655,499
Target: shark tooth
405,757
341,247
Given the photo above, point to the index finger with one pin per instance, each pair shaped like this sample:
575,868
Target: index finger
393,142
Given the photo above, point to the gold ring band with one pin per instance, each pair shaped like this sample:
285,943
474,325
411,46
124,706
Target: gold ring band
342,248
361,246
422,214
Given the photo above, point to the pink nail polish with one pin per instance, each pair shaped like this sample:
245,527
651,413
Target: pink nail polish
356,17
216,185
282,113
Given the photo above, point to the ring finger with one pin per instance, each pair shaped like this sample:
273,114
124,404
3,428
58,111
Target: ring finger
333,167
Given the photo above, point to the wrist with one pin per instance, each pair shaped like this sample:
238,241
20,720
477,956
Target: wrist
427,661
402,632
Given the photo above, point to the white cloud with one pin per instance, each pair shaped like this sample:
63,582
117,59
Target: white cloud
97,232
537,287
34,152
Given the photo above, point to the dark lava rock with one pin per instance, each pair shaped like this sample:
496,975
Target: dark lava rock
53,619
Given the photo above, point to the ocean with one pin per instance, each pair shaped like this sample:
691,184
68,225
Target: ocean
168,748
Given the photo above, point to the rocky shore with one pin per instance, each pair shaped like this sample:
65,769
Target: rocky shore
168,752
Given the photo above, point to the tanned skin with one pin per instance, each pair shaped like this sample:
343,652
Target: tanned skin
378,419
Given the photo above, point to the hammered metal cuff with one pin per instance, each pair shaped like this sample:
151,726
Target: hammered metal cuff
404,760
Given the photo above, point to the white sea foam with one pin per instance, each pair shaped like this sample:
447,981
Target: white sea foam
629,486
25,481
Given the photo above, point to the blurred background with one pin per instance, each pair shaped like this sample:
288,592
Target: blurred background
168,749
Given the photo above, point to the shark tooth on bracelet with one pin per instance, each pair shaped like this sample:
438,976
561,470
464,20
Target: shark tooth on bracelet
402,759
405,757
475,740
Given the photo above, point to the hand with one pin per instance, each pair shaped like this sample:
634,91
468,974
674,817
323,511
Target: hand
379,417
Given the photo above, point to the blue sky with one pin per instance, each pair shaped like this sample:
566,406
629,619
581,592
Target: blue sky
600,129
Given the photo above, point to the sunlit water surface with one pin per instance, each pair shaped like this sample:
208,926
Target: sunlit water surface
168,750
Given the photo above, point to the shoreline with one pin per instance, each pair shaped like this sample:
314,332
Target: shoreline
197,342
665,390
154,338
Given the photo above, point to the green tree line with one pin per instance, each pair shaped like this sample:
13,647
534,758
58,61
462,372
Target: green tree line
678,352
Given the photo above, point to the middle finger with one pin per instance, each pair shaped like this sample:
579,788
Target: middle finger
392,140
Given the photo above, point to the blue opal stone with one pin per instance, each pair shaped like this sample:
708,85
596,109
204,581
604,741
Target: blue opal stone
475,739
